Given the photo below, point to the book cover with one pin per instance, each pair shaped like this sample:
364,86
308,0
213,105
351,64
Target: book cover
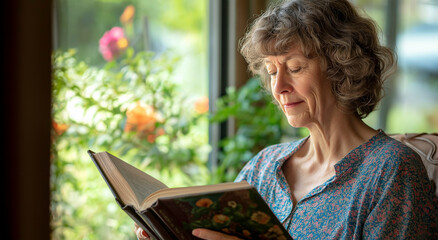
242,213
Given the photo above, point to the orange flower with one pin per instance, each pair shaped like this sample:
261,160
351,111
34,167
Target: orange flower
204,202
220,218
127,15
59,128
246,233
260,217
201,105
151,138
160,132
141,119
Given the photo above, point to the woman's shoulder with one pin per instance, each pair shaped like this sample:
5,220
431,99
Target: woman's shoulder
394,148
393,155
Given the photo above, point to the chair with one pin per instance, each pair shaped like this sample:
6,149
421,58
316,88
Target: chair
425,144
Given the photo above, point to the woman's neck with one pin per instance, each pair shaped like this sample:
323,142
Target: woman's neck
330,142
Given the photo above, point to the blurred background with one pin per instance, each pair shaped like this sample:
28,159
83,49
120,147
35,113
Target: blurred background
161,85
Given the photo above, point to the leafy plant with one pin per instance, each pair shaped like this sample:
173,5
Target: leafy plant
131,108
258,121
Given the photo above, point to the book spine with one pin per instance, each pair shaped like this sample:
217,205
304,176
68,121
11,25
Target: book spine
140,222
158,227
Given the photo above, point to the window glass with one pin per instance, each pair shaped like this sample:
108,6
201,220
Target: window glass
130,78
412,93
415,107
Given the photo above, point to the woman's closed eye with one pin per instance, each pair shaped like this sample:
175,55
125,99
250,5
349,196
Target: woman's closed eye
291,70
295,70
272,73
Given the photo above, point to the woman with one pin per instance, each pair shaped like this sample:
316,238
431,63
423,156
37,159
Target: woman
325,68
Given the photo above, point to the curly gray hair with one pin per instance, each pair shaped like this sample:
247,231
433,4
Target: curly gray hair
345,42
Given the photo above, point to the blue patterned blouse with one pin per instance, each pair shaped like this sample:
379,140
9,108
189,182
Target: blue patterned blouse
380,191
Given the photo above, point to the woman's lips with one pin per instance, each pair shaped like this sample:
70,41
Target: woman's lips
292,104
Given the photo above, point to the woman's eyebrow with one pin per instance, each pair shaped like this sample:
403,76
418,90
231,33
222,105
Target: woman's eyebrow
292,56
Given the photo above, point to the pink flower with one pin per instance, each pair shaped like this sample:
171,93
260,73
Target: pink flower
113,43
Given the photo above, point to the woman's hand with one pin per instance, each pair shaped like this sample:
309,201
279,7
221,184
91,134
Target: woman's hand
212,235
199,232
141,234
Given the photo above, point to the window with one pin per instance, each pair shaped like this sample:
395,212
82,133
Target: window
131,78
411,100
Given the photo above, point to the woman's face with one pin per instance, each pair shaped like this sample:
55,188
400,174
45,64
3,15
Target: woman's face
300,88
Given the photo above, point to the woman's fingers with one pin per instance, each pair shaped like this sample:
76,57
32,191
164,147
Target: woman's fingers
199,232
141,234
212,235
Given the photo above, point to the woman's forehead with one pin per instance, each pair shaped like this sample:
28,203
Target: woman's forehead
293,53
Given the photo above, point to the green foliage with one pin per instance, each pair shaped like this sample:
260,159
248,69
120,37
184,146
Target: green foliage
258,122
183,15
96,101
132,109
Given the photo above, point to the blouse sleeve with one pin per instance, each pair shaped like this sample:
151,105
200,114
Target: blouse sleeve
404,205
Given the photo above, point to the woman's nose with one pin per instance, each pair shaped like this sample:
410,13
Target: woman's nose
282,83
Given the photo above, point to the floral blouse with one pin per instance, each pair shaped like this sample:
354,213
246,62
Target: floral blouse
380,191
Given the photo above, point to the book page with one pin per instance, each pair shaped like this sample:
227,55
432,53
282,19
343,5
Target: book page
141,183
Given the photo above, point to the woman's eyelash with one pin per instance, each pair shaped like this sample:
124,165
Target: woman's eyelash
296,70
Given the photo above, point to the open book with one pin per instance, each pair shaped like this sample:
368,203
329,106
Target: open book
234,208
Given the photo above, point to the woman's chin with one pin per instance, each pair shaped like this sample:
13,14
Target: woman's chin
297,121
